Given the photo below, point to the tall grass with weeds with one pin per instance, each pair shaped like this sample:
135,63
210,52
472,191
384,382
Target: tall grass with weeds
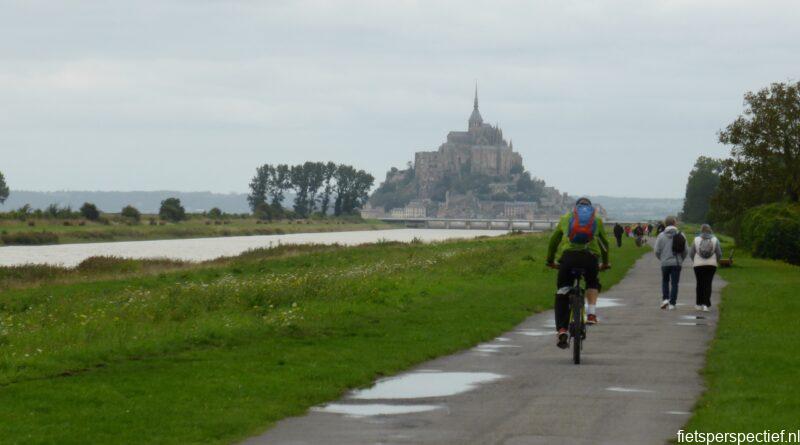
52,231
29,238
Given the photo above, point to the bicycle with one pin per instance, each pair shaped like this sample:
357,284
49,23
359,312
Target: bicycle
577,311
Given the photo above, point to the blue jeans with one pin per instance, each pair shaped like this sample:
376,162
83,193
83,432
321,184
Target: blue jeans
670,275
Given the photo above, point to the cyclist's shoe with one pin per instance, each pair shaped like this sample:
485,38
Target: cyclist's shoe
705,308
563,339
672,307
664,304
591,319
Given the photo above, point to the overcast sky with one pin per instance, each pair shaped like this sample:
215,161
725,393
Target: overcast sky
599,97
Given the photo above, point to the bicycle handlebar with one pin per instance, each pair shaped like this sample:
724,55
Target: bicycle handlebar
603,267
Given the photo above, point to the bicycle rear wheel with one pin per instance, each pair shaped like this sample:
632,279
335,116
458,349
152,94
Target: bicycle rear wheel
577,328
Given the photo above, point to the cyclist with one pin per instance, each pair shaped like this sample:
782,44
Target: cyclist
579,239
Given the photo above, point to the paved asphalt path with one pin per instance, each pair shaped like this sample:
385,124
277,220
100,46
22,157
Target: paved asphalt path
637,384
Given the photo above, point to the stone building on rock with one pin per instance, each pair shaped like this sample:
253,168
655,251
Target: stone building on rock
479,150
474,174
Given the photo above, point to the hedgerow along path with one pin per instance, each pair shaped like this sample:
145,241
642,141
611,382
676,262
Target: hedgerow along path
220,353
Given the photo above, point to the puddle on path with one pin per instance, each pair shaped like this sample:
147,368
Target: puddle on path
690,324
492,348
693,317
502,339
377,409
549,324
621,389
534,332
678,413
608,302
426,384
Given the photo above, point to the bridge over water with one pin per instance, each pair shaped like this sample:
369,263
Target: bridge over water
529,225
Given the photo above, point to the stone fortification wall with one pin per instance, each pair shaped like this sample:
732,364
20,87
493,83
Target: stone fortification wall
456,159
428,170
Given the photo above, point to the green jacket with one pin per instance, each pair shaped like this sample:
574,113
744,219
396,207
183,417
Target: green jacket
559,241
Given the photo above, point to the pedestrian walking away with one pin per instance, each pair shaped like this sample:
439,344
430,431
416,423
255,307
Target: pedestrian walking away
639,232
671,249
618,232
705,253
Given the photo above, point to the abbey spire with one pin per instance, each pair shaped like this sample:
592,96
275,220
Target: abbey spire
475,119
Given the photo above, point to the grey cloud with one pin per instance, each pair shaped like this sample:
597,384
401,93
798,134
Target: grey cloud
161,94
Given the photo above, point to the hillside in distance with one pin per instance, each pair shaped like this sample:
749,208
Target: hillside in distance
113,202
638,209
627,209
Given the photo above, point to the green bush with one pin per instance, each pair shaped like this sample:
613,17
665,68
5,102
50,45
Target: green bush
215,213
90,211
131,213
772,231
172,210
29,238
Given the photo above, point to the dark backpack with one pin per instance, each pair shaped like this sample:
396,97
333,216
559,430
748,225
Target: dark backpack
678,244
582,224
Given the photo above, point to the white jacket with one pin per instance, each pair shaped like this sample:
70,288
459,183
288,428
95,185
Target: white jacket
694,253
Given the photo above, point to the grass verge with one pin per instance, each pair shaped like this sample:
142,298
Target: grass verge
215,354
751,372
13,232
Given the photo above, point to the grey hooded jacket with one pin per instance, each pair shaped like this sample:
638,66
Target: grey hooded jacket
664,248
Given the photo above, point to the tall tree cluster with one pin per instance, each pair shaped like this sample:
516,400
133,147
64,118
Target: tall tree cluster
702,184
764,166
3,189
316,185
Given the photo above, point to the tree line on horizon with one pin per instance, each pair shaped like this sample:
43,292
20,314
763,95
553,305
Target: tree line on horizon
171,210
319,187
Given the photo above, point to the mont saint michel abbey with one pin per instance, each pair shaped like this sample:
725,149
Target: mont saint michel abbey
480,150
474,174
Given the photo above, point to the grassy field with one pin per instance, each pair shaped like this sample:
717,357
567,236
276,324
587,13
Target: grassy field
82,231
753,363
220,351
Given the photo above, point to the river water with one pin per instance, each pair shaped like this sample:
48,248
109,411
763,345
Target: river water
201,249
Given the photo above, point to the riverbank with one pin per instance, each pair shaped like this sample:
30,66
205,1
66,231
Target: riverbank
214,354
68,231
206,249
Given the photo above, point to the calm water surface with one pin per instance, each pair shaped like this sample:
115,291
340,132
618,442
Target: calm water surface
201,249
